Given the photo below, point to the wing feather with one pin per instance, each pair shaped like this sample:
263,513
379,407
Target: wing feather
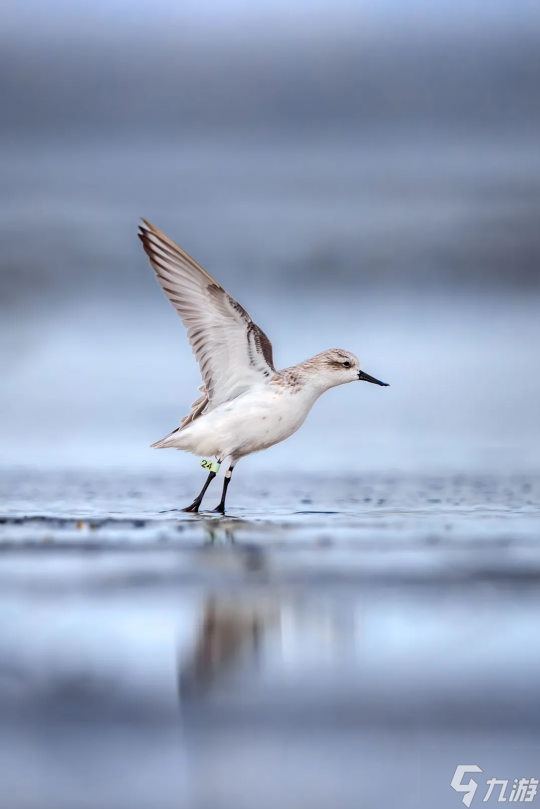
232,352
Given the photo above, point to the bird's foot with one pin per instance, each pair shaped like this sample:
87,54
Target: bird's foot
193,508
219,509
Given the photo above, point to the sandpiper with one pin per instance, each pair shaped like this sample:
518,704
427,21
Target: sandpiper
245,404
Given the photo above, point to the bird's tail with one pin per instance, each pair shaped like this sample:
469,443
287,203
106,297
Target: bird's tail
169,440
197,409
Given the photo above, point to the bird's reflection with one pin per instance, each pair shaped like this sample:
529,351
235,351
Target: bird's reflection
251,631
232,624
294,629
230,633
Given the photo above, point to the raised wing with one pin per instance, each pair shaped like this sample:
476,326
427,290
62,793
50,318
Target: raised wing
232,352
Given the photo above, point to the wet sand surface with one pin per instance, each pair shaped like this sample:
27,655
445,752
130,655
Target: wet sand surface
331,642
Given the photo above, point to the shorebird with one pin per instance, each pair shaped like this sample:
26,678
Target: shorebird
245,404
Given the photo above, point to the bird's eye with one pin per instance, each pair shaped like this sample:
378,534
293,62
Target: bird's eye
347,364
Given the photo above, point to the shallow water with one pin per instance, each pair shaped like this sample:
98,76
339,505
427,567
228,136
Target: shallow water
339,641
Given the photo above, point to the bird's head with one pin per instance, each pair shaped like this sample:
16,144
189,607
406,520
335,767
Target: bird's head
337,366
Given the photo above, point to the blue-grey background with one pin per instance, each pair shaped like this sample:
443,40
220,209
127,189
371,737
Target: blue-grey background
363,175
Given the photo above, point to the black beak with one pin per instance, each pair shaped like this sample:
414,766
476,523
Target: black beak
367,378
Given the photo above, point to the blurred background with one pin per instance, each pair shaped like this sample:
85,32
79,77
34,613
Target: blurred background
362,174
357,174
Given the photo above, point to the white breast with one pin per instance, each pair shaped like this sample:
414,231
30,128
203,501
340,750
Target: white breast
254,421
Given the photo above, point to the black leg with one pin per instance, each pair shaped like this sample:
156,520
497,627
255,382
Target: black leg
228,474
198,500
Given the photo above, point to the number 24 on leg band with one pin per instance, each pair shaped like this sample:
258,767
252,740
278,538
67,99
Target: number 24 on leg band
211,466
